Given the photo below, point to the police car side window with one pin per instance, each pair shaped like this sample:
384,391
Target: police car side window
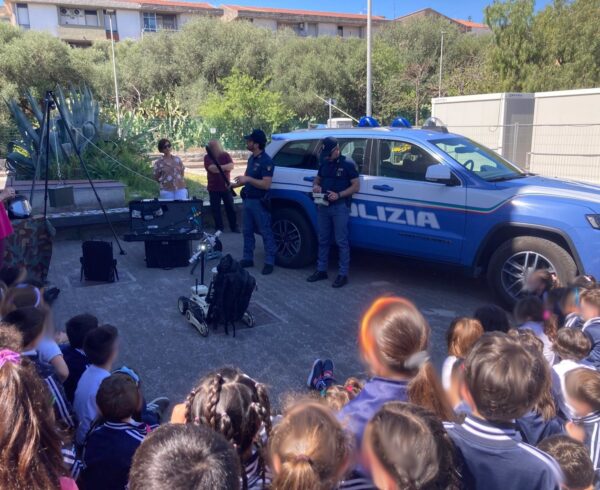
402,160
298,154
356,149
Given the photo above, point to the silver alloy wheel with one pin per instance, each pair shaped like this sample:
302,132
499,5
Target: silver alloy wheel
518,267
287,237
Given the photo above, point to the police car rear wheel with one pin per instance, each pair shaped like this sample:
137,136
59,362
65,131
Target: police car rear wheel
515,259
295,238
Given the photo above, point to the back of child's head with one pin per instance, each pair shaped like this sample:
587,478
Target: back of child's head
394,338
411,448
583,385
118,397
590,303
78,327
531,309
338,396
504,378
21,296
492,318
100,344
308,448
29,321
10,337
31,445
544,406
233,404
462,335
586,281
574,460
572,344
182,457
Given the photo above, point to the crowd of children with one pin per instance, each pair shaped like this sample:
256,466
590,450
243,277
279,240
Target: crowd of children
516,405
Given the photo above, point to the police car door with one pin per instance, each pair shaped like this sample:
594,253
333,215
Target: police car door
412,216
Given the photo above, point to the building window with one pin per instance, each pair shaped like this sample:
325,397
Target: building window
159,22
340,31
23,15
91,18
108,18
78,17
312,30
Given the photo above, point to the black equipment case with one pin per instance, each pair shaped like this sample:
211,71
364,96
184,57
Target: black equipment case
167,228
97,262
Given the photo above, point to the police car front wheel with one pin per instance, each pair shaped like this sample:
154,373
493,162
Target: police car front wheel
295,238
518,257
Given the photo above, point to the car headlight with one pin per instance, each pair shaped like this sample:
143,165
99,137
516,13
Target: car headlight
594,220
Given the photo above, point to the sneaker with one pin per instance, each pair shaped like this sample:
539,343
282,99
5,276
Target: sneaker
267,269
317,276
246,263
340,281
316,374
158,406
328,378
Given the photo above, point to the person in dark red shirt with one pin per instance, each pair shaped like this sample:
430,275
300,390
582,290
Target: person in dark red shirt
217,188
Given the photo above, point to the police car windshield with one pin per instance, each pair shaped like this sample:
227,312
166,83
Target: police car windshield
478,159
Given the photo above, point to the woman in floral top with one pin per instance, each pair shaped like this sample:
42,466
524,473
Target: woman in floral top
168,171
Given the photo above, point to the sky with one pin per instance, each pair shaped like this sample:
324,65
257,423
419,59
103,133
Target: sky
460,9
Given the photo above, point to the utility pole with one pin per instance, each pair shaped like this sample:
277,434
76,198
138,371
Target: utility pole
369,49
112,45
441,64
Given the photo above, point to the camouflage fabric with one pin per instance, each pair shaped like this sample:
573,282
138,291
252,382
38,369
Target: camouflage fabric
30,246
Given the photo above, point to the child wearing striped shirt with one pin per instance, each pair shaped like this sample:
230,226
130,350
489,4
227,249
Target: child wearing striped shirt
582,388
503,381
114,438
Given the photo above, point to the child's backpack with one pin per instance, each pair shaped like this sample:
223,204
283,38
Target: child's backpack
97,263
229,293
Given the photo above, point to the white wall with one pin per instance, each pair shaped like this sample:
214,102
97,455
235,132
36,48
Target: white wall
462,114
326,29
182,19
129,24
352,31
265,23
43,18
569,152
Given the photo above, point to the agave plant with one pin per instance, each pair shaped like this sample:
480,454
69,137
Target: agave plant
81,113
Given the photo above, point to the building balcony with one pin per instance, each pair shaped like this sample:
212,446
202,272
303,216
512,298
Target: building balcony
81,33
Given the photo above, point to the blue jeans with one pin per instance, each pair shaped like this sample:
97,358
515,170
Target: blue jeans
333,220
258,219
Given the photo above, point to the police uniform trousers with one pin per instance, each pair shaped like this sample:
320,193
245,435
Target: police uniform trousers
332,224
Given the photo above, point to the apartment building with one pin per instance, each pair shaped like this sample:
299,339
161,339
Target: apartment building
308,23
463,25
80,22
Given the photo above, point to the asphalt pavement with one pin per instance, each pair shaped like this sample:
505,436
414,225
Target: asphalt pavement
296,321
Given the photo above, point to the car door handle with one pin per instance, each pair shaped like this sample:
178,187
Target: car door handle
310,179
384,188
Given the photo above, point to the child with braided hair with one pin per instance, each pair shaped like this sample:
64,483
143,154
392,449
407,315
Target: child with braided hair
233,404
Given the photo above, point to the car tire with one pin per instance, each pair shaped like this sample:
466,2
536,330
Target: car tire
183,304
295,238
520,253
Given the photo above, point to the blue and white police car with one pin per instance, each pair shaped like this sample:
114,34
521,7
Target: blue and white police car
437,196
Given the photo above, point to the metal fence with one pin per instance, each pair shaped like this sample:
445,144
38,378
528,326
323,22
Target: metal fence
565,151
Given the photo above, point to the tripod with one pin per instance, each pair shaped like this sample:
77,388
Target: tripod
50,103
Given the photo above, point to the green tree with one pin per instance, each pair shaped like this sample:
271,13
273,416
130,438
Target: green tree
513,51
244,103
411,78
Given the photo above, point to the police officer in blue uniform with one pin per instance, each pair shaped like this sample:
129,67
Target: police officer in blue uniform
338,180
257,214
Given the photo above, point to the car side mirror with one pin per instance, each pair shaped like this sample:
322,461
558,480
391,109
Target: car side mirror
440,174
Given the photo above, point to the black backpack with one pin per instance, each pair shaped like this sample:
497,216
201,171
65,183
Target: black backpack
97,263
229,294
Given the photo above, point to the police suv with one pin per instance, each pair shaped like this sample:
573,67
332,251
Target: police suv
438,196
